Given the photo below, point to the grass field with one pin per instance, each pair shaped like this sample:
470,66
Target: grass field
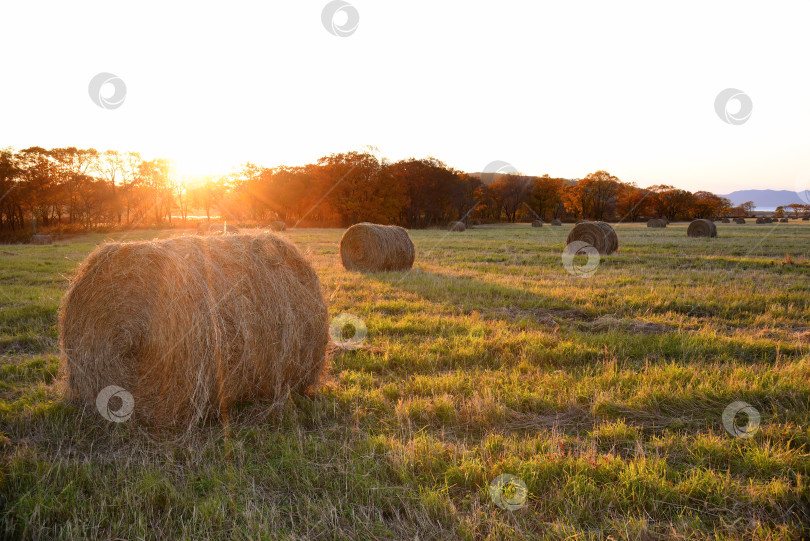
603,394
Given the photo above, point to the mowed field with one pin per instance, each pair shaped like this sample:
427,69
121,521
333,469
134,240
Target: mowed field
603,394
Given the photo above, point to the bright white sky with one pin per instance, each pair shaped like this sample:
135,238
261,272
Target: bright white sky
558,87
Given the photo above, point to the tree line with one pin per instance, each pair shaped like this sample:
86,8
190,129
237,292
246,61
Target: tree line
86,189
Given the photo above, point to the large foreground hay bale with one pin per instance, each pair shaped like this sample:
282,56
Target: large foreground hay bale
191,325
655,222
371,248
41,239
600,235
701,228
556,222
456,226
740,221
278,226
537,223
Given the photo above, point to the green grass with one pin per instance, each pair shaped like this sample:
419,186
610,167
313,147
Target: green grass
604,395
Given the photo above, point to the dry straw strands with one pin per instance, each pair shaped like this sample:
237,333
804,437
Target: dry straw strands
655,222
701,228
278,226
537,223
369,247
191,325
457,226
600,235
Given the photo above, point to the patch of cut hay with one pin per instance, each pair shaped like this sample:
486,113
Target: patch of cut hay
600,235
537,223
192,325
278,226
369,247
556,222
456,226
41,239
655,222
701,228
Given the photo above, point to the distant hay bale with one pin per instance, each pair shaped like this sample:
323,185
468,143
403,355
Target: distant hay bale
580,221
456,226
805,219
701,228
475,222
725,221
369,247
600,235
665,220
556,222
223,229
761,220
784,220
278,226
41,239
740,221
768,220
655,222
537,223
191,325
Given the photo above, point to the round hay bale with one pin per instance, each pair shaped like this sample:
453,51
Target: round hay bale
556,222
223,229
598,234
760,220
784,220
372,248
457,226
768,220
580,221
740,221
475,222
805,219
278,226
725,221
665,220
537,223
610,235
655,222
41,239
701,228
191,325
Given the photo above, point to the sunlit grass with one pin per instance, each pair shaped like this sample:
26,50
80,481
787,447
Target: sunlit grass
603,394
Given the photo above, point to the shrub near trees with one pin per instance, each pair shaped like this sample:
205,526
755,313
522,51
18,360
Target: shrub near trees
85,189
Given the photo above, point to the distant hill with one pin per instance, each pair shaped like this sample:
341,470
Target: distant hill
766,198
